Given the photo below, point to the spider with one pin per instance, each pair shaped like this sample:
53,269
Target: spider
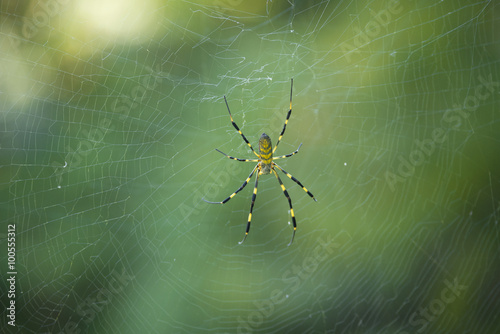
265,165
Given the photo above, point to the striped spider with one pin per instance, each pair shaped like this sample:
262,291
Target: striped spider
265,165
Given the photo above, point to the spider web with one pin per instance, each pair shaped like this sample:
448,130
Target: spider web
110,113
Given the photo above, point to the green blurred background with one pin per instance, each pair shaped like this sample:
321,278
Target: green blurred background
110,114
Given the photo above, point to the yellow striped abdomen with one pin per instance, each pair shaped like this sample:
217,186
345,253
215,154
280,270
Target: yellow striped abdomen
266,154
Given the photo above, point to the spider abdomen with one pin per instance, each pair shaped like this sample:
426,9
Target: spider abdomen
266,154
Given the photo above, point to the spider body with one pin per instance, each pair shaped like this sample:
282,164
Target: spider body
265,165
265,155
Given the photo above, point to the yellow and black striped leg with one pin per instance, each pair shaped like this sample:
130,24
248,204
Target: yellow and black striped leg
237,191
288,155
238,129
254,196
287,118
295,180
289,203
238,159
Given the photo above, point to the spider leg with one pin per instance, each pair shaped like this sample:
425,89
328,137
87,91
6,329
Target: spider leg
295,180
238,159
290,204
238,129
289,154
287,118
237,191
254,196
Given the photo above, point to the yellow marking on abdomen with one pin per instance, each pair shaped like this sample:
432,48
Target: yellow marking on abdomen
266,158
